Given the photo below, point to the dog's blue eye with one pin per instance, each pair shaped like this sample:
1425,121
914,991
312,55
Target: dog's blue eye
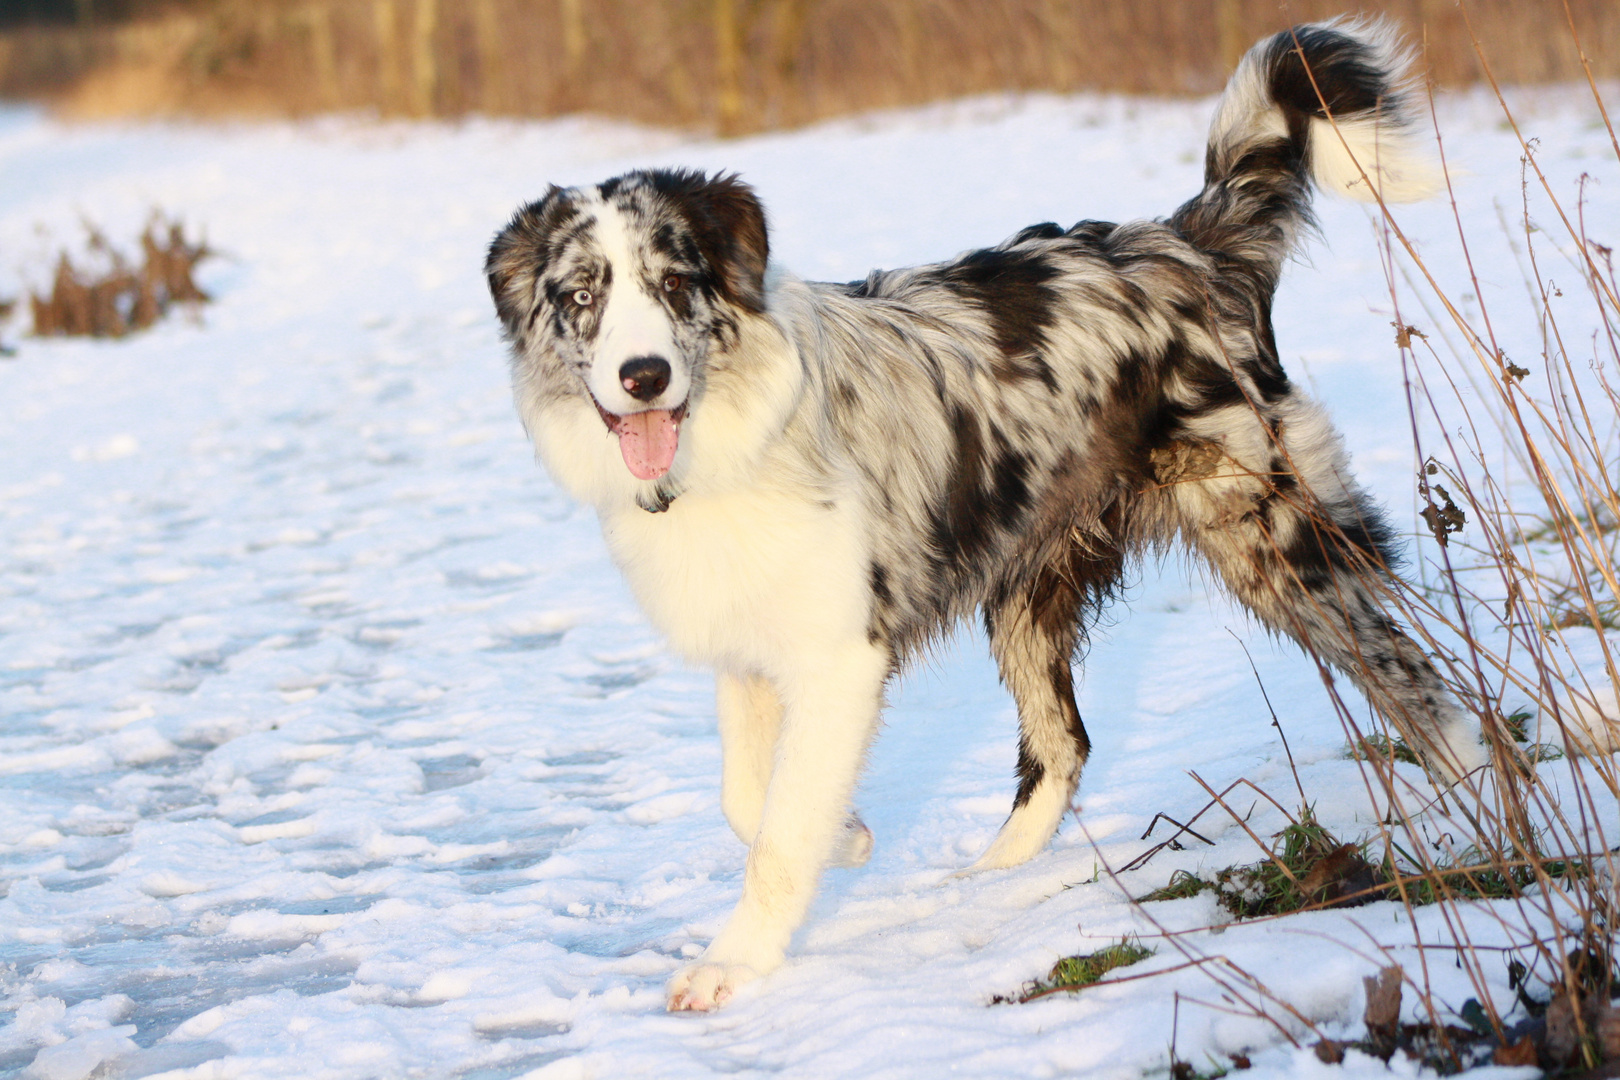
583,297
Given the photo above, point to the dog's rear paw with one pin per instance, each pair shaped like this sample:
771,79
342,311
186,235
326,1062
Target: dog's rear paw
704,987
854,845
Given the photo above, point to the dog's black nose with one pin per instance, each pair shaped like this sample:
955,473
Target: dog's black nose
644,377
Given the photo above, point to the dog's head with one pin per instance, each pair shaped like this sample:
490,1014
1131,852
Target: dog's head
618,296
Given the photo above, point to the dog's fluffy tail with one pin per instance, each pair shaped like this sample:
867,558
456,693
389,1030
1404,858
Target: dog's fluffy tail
1324,102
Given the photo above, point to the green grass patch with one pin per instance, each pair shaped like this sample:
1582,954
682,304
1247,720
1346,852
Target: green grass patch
1307,867
1544,751
1074,973
1186,1070
1573,616
1383,748
1517,723
1182,885
1475,876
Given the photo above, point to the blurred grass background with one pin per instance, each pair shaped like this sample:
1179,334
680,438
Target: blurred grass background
729,65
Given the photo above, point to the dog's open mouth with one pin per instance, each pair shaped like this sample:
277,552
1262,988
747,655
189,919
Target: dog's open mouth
648,440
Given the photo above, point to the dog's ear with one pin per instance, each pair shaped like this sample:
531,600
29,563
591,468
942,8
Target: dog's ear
519,254
729,224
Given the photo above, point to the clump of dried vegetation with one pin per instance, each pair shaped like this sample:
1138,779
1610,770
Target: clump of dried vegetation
730,65
1519,445
1306,867
107,295
7,306
1075,973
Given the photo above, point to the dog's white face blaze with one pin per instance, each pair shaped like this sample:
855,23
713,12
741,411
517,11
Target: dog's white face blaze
646,364
632,321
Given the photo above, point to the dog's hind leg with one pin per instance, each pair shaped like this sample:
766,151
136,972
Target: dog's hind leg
1276,513
1034,635
750,714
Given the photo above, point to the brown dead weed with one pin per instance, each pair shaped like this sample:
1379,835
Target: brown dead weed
121,297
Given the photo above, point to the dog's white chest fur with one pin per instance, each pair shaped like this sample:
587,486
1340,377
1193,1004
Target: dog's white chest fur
745,578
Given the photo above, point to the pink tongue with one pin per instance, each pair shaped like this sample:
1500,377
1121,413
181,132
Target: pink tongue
648,441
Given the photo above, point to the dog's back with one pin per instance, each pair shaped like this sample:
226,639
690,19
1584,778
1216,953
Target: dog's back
999,402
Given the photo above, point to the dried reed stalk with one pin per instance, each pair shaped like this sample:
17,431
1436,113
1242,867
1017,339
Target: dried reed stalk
731,65
121,299
1502,606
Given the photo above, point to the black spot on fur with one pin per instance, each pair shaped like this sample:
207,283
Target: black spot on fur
1030,774
1063,687
960,531
1341,68
658,501
728,227
880,584
1046,230
664,240
1188,311
1323,551
1030,368
931,365
1009,491
985,496
1214,385
879,628
678,247
1283,480
1266,370
520,253
725,330
1012,288
1092,232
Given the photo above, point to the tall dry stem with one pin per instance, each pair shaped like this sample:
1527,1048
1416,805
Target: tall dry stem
1517,454
732,65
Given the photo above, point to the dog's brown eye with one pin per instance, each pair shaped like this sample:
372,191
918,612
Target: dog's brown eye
674,282
583,297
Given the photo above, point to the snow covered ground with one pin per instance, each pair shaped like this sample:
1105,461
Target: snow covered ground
331,745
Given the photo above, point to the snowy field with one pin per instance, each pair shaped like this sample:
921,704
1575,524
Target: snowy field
331,745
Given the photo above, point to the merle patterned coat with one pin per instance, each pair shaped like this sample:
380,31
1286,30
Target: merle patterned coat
805,483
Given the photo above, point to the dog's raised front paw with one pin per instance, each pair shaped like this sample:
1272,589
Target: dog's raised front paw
702,987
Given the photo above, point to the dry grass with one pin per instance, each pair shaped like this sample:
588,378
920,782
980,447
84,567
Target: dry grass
1518,546
116,297
1519,489
1500,595
732,65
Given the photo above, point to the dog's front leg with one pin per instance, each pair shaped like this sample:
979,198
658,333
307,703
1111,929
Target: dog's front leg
830,708
750,715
